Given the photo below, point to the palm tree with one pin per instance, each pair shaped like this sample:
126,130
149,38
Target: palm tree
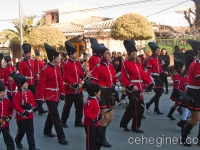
27,27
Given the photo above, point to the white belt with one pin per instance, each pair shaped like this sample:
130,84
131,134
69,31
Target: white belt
156,74
52,89
105,87
193,87
136,80
66,83
29,77
11,91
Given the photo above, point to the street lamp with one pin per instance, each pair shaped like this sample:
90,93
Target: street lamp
20,23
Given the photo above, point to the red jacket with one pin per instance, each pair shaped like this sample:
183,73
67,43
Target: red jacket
93,61
4,76
176,80
5,110
136,75
10,69
61,66
183,83
194,71
38,67
72,75
11,88
91,110
104,75
154,66
19,99
50,84
28,72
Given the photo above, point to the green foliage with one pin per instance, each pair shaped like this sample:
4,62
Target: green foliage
47,34
132,26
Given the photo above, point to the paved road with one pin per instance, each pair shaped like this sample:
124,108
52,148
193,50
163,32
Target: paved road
156,127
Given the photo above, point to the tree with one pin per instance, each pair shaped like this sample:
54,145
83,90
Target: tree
132,26
47,34
27,27
193,18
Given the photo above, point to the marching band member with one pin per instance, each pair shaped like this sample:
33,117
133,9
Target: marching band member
95,58
189,57
3,73
132,75
155,70
9,68
179,70
105,75
23,102
12,86
65,58
193,90
72,76
94,131
27,68
6,112
38,65
50,86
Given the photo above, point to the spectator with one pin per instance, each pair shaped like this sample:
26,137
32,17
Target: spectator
183,49
177,48
165,65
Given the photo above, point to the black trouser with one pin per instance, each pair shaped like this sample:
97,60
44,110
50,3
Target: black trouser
164,79
8,140
94,137
53,118
10,98
133,111
32,88
158,93
77,99
25,126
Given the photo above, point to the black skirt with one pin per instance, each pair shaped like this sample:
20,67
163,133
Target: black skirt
157,81
107,99
175,95
195,104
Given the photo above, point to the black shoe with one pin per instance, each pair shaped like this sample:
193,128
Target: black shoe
19,145
106,144
79,125
170,114
137,131
166,92
143,117
157,112
34,148
126,128
50,134
63,141
42,111
64,125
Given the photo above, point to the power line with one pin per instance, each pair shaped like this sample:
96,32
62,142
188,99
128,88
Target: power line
115,6
100,8
167,8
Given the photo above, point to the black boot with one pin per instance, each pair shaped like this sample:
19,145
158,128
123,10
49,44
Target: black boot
198,143
105,142
156,110
185,133
42,111
170,114
183,122
150,102
179,110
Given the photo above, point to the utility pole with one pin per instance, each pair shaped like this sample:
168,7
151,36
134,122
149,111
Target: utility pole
20,23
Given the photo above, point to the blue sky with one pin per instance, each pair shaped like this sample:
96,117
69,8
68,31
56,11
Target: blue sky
9,9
